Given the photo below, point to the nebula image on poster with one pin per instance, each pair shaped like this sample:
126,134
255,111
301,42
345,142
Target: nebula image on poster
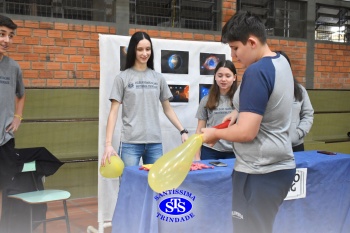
208,62
174,62
123,52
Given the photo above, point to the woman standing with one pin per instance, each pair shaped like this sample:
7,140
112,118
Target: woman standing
216,105
302,114
139,90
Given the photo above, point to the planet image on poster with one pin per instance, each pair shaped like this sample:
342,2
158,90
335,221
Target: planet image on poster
211,62
174,61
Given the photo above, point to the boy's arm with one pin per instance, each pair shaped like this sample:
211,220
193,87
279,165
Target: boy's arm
17,118
20,105
245,130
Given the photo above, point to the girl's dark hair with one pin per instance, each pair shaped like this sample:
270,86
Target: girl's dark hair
131,53
298,94
214,92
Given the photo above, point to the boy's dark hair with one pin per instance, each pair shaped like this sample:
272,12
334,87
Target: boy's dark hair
214,93
298,95
241,26
7,22
131,54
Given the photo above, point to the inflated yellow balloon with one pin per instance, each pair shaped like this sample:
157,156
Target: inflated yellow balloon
170,170
113,169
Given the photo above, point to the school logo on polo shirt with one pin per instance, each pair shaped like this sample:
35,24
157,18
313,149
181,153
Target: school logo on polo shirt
130,85
175,205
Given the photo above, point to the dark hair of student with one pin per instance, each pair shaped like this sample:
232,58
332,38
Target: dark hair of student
7,22
131,54
298,94
214,92
241,26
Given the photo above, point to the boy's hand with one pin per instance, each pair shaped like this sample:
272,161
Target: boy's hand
14,125
208,135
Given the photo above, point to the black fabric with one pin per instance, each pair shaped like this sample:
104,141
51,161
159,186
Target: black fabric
46,163
15,213
298,147
8,163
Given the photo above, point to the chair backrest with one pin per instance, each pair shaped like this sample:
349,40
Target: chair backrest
29,167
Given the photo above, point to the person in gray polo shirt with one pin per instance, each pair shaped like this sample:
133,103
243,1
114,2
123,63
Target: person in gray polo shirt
214,107
265,167
302,114
12,97
139,90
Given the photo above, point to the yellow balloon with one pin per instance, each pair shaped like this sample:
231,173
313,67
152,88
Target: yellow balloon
113,169
170,170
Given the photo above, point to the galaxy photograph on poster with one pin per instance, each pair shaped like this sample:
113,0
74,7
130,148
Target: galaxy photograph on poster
208,62
203,90
180,93
174,62
123,52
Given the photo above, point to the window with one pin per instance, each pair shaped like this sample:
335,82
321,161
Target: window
332,23
281,17
92,10
191,14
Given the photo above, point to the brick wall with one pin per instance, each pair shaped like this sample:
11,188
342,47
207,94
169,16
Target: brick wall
67,55
296,51
58,54
332,66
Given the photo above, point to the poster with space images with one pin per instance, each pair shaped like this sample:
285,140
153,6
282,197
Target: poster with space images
187,66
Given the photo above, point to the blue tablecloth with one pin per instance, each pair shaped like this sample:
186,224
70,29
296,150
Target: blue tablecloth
326,208
208,193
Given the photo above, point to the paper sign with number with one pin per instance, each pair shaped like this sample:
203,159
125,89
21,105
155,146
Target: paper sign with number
298,188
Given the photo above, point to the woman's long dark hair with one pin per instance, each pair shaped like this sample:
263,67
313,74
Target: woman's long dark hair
214,92
131,54
298,94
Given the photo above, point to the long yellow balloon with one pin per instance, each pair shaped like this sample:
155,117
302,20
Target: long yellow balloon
170,170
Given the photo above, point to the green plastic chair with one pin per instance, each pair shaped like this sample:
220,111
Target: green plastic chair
43,196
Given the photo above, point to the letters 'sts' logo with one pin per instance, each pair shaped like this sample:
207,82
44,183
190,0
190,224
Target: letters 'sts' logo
175,206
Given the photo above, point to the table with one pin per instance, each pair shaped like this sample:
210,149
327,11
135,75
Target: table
137,208
206,195
326,208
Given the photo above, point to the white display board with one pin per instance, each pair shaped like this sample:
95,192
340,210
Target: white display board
186,65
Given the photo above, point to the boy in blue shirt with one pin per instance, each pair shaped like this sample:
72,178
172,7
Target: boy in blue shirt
265,166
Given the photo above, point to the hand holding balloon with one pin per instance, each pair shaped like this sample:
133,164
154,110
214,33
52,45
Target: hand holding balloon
208,136
112,169
170,170
208,133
